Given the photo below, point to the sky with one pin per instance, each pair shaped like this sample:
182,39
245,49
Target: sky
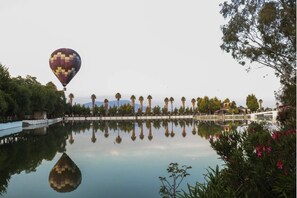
161,48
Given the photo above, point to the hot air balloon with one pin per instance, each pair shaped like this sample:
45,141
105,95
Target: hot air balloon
65,175
65,63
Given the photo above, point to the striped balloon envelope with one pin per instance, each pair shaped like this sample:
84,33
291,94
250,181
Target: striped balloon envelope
65,63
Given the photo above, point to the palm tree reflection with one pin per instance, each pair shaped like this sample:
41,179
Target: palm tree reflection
106,134
93,139
133,136
118,139
166,129
172,132
141,136
193,128
205,128
184,133
150,135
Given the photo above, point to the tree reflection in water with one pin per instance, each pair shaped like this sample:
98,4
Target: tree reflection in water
25,151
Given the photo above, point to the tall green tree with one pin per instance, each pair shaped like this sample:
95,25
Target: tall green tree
252,102
262,32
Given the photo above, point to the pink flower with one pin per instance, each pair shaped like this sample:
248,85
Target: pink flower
258,149
269,149
264,148
274,136
259,154
279,164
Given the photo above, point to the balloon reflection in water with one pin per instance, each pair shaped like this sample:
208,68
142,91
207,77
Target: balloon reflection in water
65,175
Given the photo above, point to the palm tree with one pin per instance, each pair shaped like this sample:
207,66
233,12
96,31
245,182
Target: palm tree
133,103
106,106
171,99
93,97
166,100
260,104
118,97
193,101
141,102
183,99
149,98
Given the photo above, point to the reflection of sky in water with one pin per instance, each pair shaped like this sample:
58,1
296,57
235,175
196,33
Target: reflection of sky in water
129,169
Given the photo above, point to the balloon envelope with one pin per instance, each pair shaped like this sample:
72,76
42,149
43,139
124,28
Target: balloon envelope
65,63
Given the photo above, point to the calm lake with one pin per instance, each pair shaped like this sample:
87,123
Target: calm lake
104,159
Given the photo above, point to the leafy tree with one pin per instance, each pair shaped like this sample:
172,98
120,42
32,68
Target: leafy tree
3,104
214,104
101,110
112,111
252,102
164,111
263,32
203,104
181,110
157,110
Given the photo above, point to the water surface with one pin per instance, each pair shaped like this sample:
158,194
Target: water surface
106,159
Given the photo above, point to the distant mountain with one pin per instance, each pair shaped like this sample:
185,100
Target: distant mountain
115,103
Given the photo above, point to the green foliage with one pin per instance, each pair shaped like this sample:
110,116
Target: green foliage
209,106
22,96
263,32
287,113
170,189
157,110
252,102
125,109
215,186
258,163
